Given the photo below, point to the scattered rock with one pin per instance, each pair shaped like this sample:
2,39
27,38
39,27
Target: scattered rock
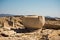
54,33
6,28
7,33
55,38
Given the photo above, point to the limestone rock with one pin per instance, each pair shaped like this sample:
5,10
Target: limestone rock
33,21
55,38
54,33
7,33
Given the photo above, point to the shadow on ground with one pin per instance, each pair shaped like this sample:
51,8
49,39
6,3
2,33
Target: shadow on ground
26,30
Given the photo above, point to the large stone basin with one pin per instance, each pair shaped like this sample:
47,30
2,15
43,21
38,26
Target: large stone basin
33,21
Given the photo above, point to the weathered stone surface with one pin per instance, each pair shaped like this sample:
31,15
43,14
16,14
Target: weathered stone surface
47,31
6,28
54,33
7,33
52,24
55,38
33,21
58,32
47,34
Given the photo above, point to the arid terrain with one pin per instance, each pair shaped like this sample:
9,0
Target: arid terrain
12,28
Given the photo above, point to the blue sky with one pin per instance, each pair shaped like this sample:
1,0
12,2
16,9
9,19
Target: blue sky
31,7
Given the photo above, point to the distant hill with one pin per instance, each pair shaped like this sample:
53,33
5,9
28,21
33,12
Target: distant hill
52,18
2,15
49,17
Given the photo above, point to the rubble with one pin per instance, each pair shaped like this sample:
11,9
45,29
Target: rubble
12,28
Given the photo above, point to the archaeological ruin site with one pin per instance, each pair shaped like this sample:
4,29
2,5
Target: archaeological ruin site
29,27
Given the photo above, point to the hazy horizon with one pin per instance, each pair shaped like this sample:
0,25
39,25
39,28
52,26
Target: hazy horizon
31,7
